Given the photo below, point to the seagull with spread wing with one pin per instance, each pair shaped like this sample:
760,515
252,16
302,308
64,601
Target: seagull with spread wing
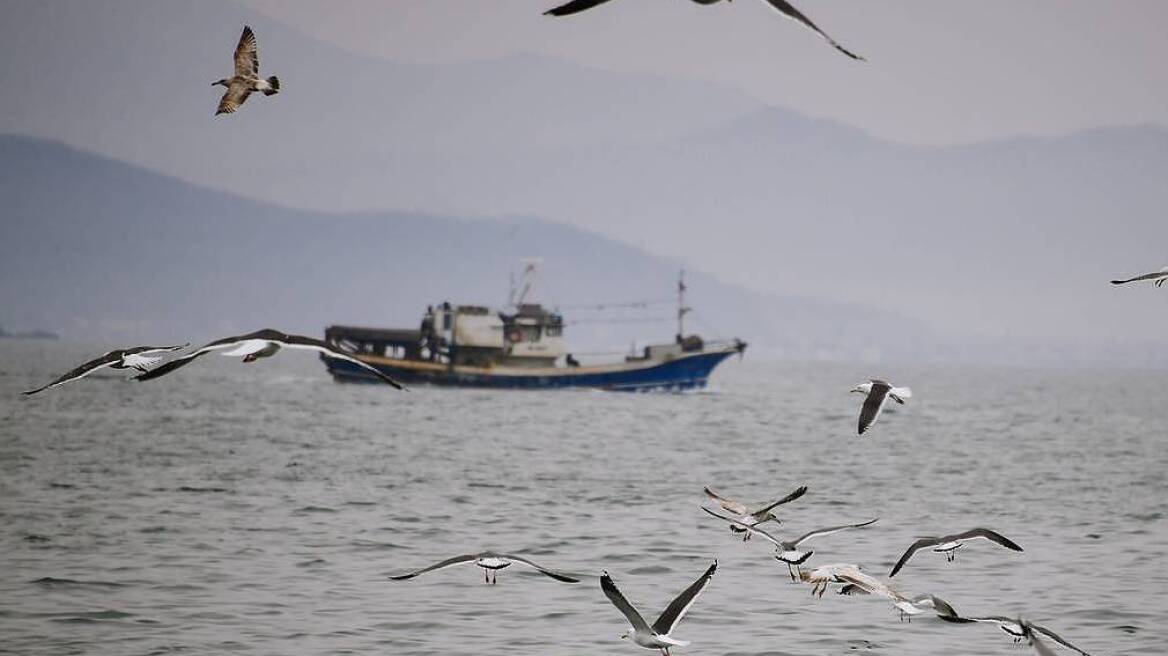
948,545
787,551
263,344
782,6
877,394
491,563
751,516
136,357
1020,630
659,635
1158,276
247,76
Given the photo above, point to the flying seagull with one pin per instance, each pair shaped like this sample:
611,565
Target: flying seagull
749,516
787,551
656,636
948,545
247,76
262,344
878,393
845,573
782,6
491,563
908,606
1159,276
128,358
1020,630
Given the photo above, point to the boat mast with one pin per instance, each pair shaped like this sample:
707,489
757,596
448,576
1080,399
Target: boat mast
682,309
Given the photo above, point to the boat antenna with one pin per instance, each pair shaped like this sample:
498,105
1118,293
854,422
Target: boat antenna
682,309
527,280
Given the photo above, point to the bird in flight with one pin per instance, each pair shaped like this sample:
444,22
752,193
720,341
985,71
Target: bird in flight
878,392
752,516
247,76
127,358
264,344
491,563
948,545
1158,276
782,6
657,636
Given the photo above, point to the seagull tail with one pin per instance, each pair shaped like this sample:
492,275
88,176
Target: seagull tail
274,86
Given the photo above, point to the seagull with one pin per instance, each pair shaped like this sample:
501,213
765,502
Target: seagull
752,517
845,573
878,393
127,358
948,545
656,636
263,344
908,606
1020,630
782,6
247,76
1159,276
787,551
491,563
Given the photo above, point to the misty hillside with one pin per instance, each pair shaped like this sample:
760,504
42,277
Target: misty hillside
99,249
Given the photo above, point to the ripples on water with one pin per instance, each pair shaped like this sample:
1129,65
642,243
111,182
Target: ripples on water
232,508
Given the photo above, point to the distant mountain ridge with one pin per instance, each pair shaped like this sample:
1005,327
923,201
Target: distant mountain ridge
101,250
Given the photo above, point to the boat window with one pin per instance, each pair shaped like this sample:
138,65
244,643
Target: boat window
446,317
554,330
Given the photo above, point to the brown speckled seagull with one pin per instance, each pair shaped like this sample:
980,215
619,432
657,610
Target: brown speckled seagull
247,76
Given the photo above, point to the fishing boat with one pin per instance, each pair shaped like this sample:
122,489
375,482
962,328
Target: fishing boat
522,347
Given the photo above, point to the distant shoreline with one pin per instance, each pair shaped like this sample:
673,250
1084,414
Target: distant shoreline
31,334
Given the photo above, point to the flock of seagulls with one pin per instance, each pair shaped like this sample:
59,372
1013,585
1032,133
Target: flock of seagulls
851,578
741,518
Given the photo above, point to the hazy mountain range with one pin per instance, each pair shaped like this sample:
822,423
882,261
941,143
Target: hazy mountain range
847,244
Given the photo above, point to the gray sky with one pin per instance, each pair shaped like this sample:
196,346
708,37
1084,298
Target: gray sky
938,72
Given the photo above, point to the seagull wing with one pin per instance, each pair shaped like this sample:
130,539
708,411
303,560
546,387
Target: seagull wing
247,57
799,491
1040,646
559,576
746,526
1054,636
873,404
940,606
614,595
302,342
155,349
680,606
727,503
830,530
789,10
1147,276
81,372
992,536
573,7
922,543
449,562
216,345
237,92
868,584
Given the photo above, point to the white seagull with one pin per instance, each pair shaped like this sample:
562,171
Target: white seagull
844,573
908,606
491,563
878,392
1020,630
656,636
1159,276
752,516
782,6
262,344
787,551
948,545
247,76
127,358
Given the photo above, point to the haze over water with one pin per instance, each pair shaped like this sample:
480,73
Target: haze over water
257,509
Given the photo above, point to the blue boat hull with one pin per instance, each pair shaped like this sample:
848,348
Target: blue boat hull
690,371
